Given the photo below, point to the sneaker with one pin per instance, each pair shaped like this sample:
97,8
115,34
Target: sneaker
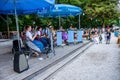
27,57
40,58
63,45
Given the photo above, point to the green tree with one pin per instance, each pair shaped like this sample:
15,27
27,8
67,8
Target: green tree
96,13
103,10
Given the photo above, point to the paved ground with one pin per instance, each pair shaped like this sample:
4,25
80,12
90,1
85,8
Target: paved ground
5,46
6,63
99,62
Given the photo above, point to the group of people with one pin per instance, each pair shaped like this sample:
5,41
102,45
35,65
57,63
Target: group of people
95,35
41,38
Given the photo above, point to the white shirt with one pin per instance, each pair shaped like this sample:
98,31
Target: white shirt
38,33
28,35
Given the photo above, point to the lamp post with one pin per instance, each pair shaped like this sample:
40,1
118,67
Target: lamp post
59,22
79,21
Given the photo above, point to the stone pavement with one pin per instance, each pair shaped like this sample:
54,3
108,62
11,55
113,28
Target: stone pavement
6,63
99,62
5,46
5,51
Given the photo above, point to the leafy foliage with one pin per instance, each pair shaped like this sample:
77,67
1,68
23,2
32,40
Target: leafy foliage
96,13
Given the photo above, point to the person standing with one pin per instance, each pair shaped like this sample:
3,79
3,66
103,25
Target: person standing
96,40
100,39
118,40
108,36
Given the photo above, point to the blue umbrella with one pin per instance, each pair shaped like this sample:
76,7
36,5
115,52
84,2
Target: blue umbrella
62,10
25,6
11,7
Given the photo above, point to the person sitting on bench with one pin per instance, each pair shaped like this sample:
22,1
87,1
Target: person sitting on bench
31,38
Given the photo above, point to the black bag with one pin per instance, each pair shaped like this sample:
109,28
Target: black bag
20,62
16,45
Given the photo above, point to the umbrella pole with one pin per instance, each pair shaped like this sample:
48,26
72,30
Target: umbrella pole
59,22
16,19
79,21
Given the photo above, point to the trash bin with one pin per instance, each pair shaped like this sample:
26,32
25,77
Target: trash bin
13,34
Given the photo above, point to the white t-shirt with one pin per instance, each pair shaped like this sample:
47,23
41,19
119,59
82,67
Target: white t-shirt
28,35
38,33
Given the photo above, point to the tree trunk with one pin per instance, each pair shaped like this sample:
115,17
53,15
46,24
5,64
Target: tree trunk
8,28
69,1
58,1
103,23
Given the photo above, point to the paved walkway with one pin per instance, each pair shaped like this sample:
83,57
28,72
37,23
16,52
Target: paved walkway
6,63
99,62
5,46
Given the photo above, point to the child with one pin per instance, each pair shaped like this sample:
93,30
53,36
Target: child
96,38
100,39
